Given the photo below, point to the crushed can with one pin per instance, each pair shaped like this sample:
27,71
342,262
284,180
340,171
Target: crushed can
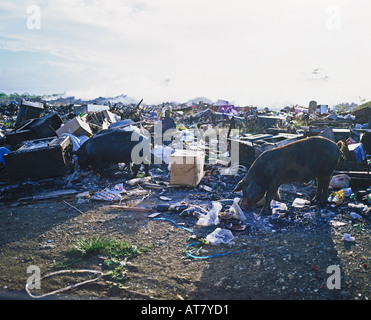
336,198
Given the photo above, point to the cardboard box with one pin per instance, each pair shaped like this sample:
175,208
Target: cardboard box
357,152
39,159
75,126
187,167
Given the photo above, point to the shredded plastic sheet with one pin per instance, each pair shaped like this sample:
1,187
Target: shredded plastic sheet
106,196
110,194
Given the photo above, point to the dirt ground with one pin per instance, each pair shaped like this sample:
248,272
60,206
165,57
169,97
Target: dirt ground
273,258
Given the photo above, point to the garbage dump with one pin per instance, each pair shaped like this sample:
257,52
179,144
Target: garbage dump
220,171
36,133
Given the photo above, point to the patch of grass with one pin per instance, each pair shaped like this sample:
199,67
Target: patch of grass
120,250
97,245
117,252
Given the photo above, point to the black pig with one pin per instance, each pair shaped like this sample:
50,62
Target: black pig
299,161
111,146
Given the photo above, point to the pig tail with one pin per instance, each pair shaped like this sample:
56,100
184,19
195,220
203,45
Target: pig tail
342,147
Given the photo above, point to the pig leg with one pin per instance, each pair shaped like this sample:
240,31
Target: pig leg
98,164
146,169
322,189
319,190
271,193
277,196
325,183
136,168
128,166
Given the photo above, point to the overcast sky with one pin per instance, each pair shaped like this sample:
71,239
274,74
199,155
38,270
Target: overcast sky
251,52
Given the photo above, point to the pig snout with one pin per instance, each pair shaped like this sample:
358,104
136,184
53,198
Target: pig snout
244,203
252,192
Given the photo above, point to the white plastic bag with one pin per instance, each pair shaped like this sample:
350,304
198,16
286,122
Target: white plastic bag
276,205
340,181
77,142
163,153
236,210
300,203
220,236
212,217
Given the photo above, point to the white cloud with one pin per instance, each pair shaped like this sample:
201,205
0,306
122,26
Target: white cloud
253,52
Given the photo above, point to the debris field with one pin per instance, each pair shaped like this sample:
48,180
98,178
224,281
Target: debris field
69,178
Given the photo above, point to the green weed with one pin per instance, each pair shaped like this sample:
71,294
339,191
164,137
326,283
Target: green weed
117,252
92,246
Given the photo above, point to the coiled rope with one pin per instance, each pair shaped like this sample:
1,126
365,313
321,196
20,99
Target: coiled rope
100,274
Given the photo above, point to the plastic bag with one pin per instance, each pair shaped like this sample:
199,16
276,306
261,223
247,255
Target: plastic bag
300,203
348,237
3,151
340,181
77,142
212,217
220,236
163,153
278,207
236,210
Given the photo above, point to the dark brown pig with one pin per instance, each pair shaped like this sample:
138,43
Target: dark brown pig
299,161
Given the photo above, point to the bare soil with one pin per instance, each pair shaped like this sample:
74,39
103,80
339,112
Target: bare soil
276,259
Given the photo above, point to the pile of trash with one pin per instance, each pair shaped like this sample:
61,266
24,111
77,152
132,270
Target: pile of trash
39,144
